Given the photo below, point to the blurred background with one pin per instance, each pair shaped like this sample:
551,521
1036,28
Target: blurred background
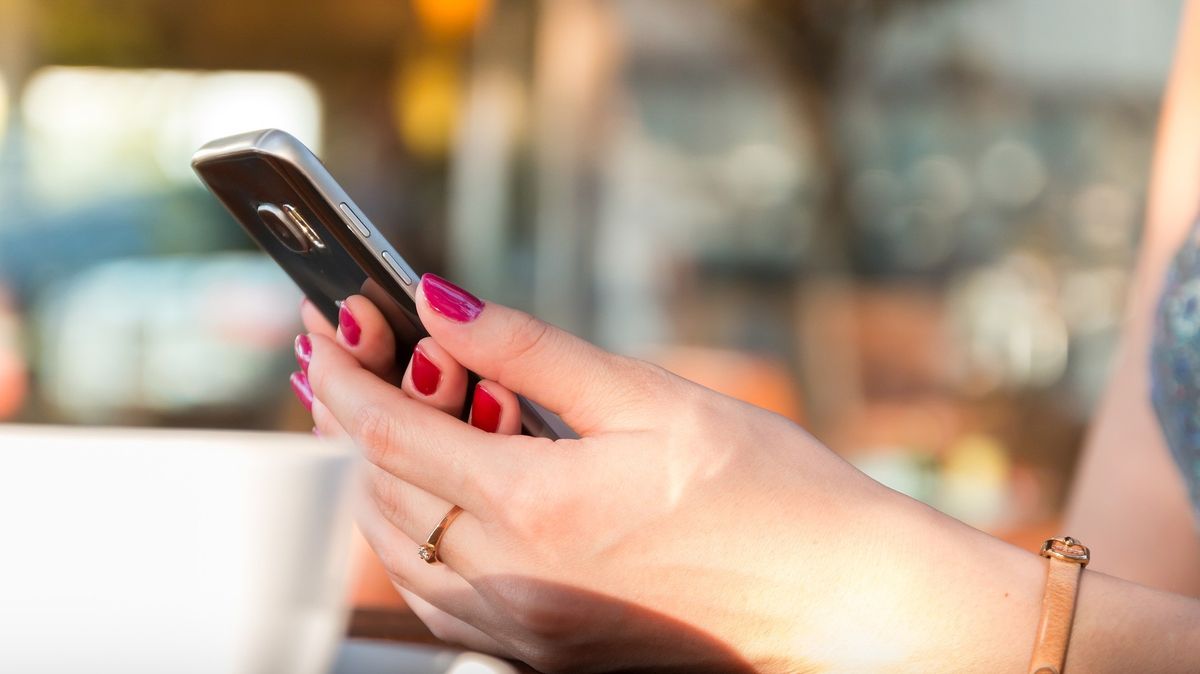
908,225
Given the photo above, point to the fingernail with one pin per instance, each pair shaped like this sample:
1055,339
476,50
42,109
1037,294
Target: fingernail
351,332
302,389
425,373
485,410
316,431
303,352
449,300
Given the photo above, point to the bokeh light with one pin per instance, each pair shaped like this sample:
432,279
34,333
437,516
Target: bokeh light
1012,174
426,103
97,131
3,109
450,18
910,229
14,371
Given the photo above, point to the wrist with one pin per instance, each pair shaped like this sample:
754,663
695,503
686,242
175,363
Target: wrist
942,596
989,598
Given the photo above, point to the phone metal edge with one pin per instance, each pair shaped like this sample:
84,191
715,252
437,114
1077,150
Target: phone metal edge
286,147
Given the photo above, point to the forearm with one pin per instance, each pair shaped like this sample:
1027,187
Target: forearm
975,601
1124,627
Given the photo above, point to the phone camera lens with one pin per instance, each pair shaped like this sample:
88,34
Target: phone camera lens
280,225
299,226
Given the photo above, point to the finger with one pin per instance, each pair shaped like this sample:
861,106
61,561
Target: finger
302,389
495,409
450,629
415,442
364,333
587,386
314,320
436,379
415,512
438,584
325,424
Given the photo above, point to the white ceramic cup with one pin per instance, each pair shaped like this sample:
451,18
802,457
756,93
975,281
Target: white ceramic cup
148,551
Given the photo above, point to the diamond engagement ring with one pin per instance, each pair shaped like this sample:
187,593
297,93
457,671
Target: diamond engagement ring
428,551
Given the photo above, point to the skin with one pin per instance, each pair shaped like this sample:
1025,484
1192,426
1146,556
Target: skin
710,524
689,531
1129,497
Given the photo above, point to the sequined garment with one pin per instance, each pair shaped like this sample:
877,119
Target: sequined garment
1175,362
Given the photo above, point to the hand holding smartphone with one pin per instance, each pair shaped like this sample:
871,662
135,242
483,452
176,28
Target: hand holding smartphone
287,201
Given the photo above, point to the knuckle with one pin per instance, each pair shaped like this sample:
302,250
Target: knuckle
528,337
635,387
389,500
651,379
373,430
695,410
497,494
525,517
525,501
491,487
510,489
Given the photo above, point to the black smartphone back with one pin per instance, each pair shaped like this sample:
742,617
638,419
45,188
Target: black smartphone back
287,201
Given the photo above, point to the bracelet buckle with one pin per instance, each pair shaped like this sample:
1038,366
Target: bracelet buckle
1066,549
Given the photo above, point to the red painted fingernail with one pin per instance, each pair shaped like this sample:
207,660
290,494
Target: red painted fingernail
449,300
351,331
425,373
302,389
303,352
485,410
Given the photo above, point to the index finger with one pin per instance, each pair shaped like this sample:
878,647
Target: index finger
413,441
591,389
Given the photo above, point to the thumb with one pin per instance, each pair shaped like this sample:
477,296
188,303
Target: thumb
588,387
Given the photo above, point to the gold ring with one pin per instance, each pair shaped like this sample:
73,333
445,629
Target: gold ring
428,551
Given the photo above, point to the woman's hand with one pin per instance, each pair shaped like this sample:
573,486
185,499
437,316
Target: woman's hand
684,529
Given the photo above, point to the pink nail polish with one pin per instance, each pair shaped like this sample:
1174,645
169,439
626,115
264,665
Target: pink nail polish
349,327
449,300
303,352
425,374
302,389
485,410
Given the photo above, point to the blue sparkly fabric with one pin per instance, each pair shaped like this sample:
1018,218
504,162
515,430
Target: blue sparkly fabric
1175,362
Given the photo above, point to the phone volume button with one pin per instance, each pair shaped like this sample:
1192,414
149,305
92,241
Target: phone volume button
397,269
358,224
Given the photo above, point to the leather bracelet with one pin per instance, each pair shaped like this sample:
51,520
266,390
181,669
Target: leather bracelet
1067,558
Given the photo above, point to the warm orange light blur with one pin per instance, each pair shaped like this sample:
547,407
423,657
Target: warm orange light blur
751,378
14,374
13,384
3,108
426,104
450,18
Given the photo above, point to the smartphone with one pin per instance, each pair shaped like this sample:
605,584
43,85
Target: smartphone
286,200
